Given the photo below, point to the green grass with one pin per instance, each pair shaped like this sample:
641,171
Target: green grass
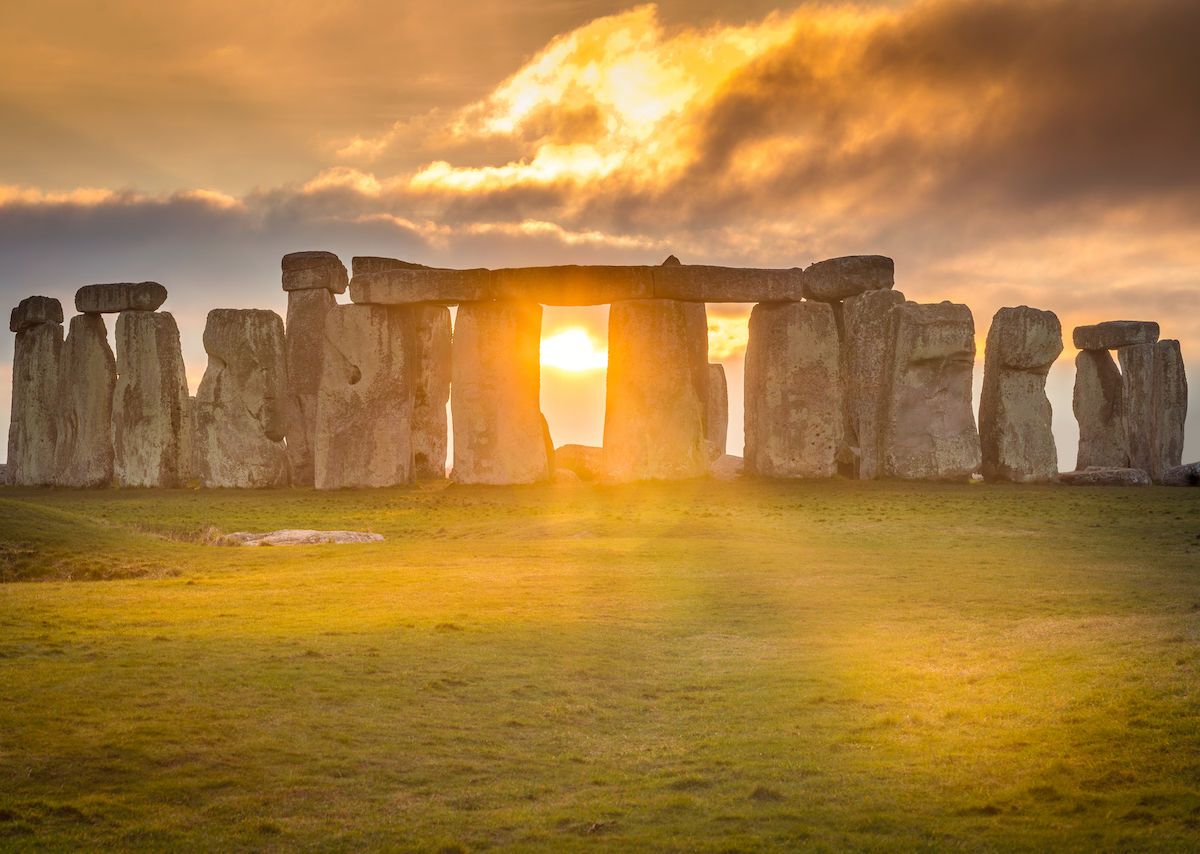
705,666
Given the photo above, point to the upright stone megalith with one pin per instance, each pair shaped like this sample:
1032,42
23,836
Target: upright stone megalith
430,337
365,399
150,401
1099,406
793,418
87,378
864,353
1155,405
1014,412
240,411
927,425
37,352
656,391
499,432
716,425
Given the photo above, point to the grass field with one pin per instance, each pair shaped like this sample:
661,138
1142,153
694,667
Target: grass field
706,666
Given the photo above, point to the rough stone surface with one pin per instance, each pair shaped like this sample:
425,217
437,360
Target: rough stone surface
405,285
241,406
699,283
297,537
716,423
3,474
1114,334
585,460
500,436
1184,475
1098,404
1014,411
362,265
793,391
1097,476
37,352
926,422
150,401
187,465
120,296
656,391
363,434
840,278
727,467
566,476
304,271
572,285
305,337
1155,405
34,311
864,349
431,357
87,377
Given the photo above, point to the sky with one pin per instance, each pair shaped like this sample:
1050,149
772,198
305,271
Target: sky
1039,152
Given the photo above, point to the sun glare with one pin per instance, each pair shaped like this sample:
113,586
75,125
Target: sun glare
573,350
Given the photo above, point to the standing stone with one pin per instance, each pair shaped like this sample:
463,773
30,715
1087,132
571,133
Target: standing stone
189,467
37,353
365,399
656,391
716,425
500,436
430,337
86,380
240,411
926,423
864,350
1098,403
305,337
1155,405
793,391
150,401
1014,412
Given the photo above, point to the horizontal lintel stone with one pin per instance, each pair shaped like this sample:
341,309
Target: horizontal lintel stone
1114,334
314,270
700,283
120,296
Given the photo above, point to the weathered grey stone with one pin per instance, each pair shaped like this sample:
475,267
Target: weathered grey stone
241,406
727,467
304,271
297,537
670,261
840,278
150,401
188,465
585,460
1098,403
1155,405
572,285
699,283
1014,411
34,311
926,422
1184,475
365,398
716,422
1114,334
864,350
793,417
3,474
362,265
120,296
1097,476
656,391
87,377
500,435
405,285
37,352
305,341
431,359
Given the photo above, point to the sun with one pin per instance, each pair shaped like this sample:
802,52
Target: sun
573,350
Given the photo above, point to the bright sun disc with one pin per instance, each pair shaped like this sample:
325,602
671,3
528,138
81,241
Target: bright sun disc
573,349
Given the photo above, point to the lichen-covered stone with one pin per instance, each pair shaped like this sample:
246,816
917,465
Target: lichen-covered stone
1182,475
34,311
305,343
500,436
1098,404
793,416
314,270
37,353
716,422
362,265
864,350
1114,334
241,406
1155,405
149,402
431,360
410,284
840,278
120,296
1101,476
87,378
927,424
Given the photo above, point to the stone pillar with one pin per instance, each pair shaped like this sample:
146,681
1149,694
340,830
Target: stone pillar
87,378
1098,403
149,402
793,391
656,391
430,338
240,410
363,434
310,279
716,425
1014,412
37,352
927,425
864,351
1155,405
500,436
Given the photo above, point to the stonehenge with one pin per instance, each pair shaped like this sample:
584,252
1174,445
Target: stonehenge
86,380
33,429
117,297
863,350
1098,403
431,359
716,419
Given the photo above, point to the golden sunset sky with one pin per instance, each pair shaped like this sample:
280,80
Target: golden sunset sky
1040,152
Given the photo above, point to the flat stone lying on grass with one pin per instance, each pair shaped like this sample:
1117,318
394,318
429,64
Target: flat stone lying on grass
120,296
1187,474
297,537
1113,334
1096,476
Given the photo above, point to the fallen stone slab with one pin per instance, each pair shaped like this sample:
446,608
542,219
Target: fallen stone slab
840,278
1114,334
700,283
1105,477
303,271
405,285
297,537
727,467
1187,474
86,379
572,285
120,296
34,311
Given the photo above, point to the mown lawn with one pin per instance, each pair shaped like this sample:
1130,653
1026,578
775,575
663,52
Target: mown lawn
705,666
